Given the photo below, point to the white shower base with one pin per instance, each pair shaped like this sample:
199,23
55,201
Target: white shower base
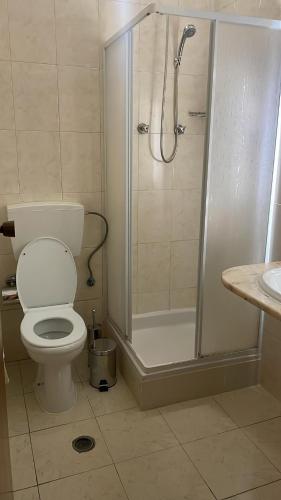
164,337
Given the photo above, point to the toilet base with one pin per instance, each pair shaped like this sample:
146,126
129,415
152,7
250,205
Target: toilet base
54,388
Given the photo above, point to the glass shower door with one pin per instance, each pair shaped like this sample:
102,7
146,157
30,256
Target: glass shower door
243,114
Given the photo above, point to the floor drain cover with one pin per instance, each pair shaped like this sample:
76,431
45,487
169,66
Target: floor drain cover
83,444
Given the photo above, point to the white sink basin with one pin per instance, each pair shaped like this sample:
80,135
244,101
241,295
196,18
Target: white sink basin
270,282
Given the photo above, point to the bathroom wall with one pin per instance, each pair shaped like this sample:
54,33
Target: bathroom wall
50,116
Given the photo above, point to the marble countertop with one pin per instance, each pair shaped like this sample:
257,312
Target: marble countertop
244,281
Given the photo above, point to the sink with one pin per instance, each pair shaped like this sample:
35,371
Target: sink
270,282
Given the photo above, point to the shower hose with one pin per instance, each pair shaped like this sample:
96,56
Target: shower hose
91,280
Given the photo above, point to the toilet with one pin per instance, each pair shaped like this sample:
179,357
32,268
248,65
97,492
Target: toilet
52,332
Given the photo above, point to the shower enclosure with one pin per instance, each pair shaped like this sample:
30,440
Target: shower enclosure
175,226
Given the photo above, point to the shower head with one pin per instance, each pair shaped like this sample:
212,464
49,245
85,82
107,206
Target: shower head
188,32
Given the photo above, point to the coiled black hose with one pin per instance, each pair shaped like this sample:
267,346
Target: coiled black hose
91,280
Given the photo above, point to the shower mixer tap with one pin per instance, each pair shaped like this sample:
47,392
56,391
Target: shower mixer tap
180,129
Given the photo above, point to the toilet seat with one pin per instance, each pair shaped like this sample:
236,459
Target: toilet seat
46,274
37,315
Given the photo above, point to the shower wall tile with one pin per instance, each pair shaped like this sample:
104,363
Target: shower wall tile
77,32
35,96
80,152
186,214
32,30
184,264
188,164
79,99
4,31
153,267
6,97
153,301
182,298
154,216
39,162
153,173
9,182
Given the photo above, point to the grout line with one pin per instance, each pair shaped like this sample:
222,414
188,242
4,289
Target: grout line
253,489
196,468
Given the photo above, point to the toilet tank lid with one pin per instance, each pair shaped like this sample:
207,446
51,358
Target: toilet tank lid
46,274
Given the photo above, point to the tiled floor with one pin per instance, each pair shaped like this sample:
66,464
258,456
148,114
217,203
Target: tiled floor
227,446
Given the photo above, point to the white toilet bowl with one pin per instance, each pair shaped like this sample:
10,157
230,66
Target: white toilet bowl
52,332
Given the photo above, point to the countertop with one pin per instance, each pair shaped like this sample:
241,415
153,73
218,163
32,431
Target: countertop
244,281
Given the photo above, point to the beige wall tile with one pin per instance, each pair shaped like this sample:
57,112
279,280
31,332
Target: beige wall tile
186,207
114,15
77,32
4,31
6,97
9,180
79,99
153,267
153,172
188,164
39,162
83,290
94,227
184,261
36,96
154,216
85,308
152,301
5,243
182,298
32,30
80,153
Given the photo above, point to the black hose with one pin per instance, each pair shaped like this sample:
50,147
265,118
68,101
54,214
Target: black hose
91,280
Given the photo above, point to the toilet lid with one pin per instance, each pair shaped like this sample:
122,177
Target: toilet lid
46,274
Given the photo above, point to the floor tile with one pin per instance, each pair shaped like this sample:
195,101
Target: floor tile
249,405
101,484
17,417
116,398
267,436
14,387
39,419
230,463
269,492
133,433
196,419
28,494
23,472
164,475
54,456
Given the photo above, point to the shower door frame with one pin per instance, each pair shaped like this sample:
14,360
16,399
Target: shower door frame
214,18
